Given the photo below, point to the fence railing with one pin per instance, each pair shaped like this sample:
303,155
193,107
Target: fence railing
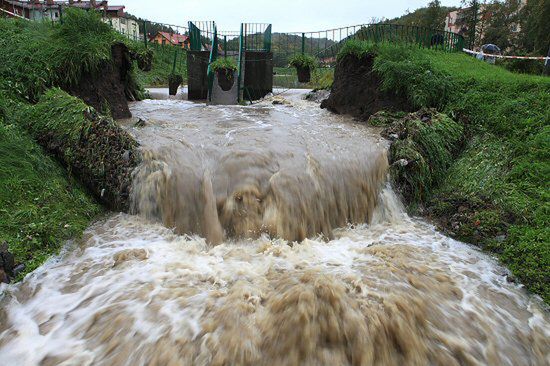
324,45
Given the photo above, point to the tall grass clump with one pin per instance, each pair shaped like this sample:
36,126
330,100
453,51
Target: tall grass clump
38,55
41,205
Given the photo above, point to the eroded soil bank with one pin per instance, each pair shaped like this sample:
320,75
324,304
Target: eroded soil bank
467,170
356,90
107,90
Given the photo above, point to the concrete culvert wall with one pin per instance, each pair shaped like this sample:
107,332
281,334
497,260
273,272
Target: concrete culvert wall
197,71
258,74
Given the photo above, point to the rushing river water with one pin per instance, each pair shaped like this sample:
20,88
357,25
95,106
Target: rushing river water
242,252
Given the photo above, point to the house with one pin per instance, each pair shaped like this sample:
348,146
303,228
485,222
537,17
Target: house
173,39
456,21
32,10
52,10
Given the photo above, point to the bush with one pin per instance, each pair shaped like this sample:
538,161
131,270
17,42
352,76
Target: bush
223,63
303,60
533,67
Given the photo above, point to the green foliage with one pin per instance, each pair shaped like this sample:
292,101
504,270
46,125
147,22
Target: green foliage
423,17
162,65
222,63
303,60
428,143
41,207
357,48
175,79
535,27
58,113
500,29
38,55
322,79
500,181
434,17
533,67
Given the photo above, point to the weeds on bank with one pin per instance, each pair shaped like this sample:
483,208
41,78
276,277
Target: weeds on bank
38,55
496,192
40,205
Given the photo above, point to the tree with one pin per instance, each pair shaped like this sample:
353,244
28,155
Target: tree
472,19
434,17
535,27
503,25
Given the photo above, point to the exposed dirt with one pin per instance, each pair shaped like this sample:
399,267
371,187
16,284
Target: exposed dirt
108,89
103,159
225,79
356,90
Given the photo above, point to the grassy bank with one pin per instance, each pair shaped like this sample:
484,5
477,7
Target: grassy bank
38,55
42,203
495,191
162,66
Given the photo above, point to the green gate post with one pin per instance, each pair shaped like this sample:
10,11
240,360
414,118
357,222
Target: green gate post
239,77
303,43
145,33
175,60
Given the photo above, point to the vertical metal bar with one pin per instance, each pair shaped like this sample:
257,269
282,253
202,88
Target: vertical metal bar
240,63
303,43
175,60
224,46
145,33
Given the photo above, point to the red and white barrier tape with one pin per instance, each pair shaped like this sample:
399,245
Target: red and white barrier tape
502,56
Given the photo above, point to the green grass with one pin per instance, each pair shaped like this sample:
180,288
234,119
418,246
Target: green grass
163,63
429,148
303,60
38,55
286,77
41,206
223,63
495,193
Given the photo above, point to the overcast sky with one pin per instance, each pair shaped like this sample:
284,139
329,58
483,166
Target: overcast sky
285,15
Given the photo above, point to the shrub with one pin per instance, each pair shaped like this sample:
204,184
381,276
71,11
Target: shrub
303,60
223,63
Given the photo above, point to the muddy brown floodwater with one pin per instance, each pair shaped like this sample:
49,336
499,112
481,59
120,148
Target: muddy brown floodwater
267,235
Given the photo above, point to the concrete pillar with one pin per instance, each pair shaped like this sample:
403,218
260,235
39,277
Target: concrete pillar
197,74
258,74
225,97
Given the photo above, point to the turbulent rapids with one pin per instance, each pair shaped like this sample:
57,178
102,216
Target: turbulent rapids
267,235
237,172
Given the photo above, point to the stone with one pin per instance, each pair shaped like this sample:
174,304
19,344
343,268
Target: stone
7,262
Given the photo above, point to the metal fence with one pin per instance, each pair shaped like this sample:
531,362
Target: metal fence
323,45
